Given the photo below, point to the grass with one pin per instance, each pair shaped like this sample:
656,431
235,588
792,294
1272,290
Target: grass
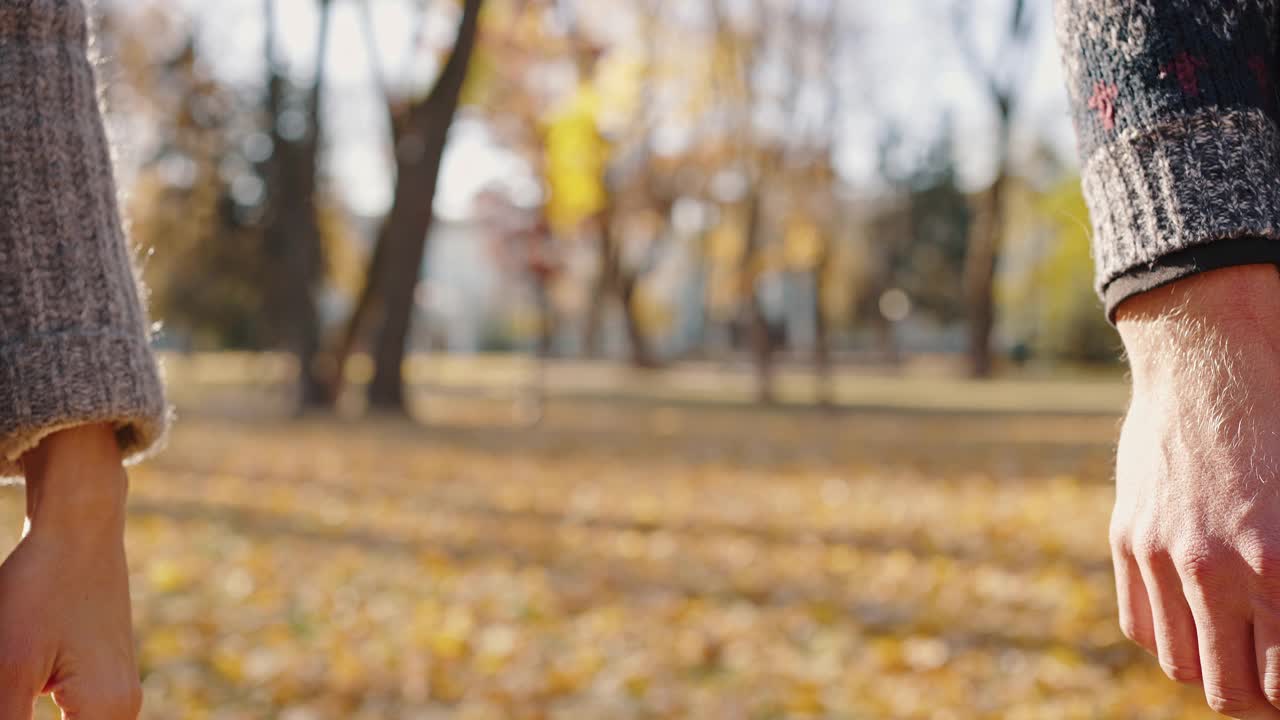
919,388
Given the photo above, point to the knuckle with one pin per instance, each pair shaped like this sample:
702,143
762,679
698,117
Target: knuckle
1129,628
1264,563
1146,545
1271,687
1135,633
1120,542
1200,567
1183,673
1229,701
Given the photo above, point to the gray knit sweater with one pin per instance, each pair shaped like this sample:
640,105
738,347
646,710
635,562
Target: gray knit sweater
1175,105
73,330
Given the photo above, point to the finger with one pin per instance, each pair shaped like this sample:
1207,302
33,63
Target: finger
98,701
1228,665
16,704
119,708
1172,623
1266,645
1134,606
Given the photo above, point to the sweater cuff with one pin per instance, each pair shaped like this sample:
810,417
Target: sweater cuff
1185,263
59,381
39,21
1165,198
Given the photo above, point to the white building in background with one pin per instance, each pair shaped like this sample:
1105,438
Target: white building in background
462,295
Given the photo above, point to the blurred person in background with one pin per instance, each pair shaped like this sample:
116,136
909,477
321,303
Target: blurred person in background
1175,105
79,388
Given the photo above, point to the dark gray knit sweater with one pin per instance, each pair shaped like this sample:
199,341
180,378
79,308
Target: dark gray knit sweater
1175,105
73,330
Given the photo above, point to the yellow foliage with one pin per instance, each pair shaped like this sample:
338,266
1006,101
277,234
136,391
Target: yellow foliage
654,315
1070,265
724,291
727,242
1071,317
576,158
803,244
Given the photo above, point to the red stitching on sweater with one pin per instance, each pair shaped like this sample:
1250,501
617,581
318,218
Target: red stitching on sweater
1103,102
1185,67
1260,73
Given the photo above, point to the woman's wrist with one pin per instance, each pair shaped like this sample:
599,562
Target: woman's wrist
76,484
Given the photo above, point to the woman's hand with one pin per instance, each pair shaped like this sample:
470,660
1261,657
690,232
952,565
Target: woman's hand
1195,534
65,620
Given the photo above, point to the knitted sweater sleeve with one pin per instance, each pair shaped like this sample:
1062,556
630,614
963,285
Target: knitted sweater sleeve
74,338
1175,108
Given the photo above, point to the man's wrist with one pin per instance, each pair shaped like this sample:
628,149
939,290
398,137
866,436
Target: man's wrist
76,484
1202,322
1241,294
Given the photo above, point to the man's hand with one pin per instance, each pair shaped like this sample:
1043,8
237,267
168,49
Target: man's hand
65,622
1195,535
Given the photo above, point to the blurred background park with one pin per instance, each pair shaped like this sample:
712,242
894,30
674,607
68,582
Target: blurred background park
618,359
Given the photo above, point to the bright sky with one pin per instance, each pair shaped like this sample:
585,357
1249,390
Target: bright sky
231,33
916,69
923,67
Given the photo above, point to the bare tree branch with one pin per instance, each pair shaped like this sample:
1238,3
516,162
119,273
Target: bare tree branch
1014,42
370,31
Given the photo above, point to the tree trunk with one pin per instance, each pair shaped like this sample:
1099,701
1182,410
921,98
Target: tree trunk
405,236
641,354
420,151
548,321
821,332
606,279
292,229
761,339
615,283
980,270
362,316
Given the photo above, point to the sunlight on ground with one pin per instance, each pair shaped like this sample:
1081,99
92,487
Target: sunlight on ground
626,562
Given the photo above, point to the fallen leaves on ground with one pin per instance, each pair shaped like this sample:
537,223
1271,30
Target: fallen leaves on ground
631,562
